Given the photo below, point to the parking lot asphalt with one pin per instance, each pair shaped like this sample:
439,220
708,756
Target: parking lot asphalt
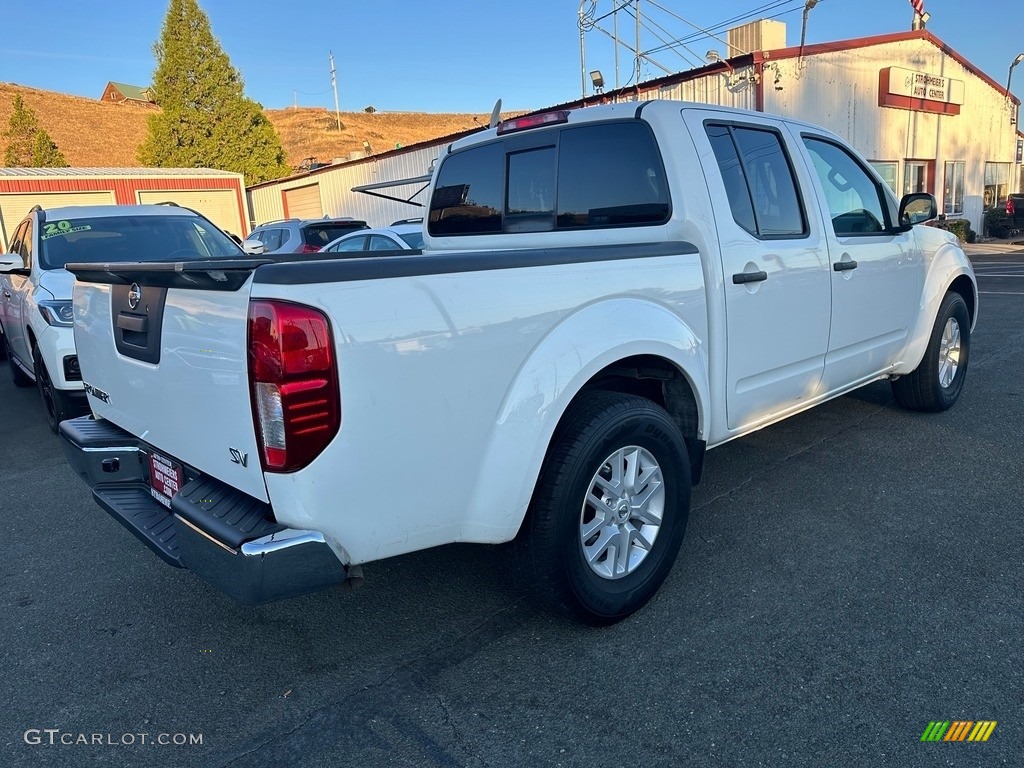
848,576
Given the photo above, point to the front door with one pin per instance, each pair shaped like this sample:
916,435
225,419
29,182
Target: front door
775,263
877,272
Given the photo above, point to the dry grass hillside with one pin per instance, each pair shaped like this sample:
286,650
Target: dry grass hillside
97,134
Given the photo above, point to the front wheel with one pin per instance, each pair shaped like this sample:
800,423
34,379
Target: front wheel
57,403
936,383
610,507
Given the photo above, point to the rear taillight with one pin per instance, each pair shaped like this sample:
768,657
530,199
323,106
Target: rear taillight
293,379
307,248
1010,208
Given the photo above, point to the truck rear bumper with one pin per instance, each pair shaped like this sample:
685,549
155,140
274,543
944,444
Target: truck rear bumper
226,537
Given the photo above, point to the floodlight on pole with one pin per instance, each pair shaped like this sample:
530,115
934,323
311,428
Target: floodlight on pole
598,80
1009,75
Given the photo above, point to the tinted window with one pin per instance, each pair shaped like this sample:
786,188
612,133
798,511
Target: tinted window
854,199
319,235
132,238
610,175
414,239
777,208
350,244
272,238
732,174
25,246
15,245
381,243
468,198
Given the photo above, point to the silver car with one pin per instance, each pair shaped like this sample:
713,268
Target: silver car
300,235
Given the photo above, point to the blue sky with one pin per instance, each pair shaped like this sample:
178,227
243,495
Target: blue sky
440,56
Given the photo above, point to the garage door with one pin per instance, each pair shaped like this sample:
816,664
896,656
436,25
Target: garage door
13,207
303,203
218,205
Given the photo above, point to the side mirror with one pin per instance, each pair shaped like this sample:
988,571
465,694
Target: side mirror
916,208
253,247
12,264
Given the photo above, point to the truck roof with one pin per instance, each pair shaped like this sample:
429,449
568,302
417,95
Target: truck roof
627,109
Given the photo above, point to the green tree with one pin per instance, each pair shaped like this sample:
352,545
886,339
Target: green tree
28,145
45,153
205,118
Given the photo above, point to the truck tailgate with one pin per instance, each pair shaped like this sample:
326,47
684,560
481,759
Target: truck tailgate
163,356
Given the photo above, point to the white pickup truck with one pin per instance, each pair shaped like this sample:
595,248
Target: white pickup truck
603,294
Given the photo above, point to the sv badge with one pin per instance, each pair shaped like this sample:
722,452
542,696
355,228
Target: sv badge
237,457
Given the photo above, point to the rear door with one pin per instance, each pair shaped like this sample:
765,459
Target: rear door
774,259
169,365
877,273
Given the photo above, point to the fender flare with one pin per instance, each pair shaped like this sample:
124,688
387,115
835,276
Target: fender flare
946,267
556,370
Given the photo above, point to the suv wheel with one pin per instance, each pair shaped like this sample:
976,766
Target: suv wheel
58,404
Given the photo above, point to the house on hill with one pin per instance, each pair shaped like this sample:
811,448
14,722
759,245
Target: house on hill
121,93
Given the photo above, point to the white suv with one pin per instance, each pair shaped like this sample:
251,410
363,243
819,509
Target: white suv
36,317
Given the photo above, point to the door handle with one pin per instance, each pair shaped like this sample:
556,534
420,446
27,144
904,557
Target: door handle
842,266
749,277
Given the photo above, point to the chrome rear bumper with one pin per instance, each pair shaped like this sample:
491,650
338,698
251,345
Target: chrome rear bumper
226,537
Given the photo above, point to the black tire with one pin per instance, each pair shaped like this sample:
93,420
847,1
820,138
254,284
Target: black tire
596,427
924,390
57,404
18,376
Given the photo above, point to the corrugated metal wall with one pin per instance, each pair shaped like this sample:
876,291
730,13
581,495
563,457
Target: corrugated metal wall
337,197
840,91
725,89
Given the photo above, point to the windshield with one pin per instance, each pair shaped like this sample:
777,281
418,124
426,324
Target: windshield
132,238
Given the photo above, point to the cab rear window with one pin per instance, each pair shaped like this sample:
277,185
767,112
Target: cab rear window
583,177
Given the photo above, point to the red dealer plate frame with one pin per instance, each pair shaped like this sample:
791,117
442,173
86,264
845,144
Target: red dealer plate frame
166,478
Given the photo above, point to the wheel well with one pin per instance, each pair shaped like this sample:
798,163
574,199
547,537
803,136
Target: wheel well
656,379
965,288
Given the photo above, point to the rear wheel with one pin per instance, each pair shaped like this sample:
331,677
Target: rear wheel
57,403
936,383
610,508
18,376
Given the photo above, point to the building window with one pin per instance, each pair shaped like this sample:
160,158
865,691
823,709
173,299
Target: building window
915,177
887,170
997,184
953,189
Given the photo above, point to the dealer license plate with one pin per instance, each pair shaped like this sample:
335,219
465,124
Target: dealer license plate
165,478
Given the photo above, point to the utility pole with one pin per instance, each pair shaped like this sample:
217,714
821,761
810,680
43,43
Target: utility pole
334,85
295,99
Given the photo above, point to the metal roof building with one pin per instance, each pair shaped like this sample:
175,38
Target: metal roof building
218,195
926,118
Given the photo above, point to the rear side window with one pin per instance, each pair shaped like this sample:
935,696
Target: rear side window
758,180
584,177
273,238
319,235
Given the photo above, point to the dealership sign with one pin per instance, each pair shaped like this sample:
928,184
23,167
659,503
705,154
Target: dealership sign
922,91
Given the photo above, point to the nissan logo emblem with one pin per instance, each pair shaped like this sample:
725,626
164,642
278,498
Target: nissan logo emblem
134,296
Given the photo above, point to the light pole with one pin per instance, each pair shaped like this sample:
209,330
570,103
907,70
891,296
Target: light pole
1009,75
